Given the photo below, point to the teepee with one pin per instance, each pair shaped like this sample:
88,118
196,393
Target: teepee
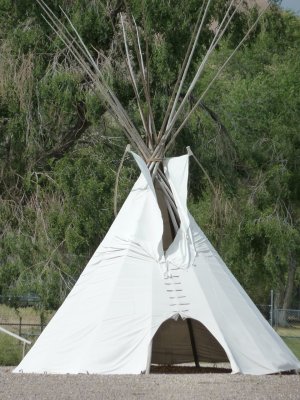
155,291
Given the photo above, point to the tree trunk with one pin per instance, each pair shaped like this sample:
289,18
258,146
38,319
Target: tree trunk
288,295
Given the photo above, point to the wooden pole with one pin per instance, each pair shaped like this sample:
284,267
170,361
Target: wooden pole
193,342
149,358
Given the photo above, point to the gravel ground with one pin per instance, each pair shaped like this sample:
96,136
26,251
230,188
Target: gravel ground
154,386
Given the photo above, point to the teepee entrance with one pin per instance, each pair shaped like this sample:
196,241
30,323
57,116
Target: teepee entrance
185,341
179,341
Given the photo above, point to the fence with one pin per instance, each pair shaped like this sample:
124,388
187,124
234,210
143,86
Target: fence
286,323
17,337
28,323
27,300
280,317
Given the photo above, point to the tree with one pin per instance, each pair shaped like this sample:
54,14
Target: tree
60,149
255,218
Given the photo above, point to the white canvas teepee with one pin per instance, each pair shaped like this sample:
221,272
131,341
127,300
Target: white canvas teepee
135,302
155,290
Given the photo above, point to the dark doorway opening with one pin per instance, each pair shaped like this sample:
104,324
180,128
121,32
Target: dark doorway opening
186,346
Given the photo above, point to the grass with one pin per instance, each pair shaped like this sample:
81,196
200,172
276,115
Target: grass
289,331
11,349
294,345
29,315
291,336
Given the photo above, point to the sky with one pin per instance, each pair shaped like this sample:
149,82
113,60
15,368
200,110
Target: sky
293,5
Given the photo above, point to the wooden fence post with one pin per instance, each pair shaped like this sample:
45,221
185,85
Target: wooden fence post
20,326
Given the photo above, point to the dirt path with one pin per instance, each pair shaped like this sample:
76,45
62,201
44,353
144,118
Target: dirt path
154,386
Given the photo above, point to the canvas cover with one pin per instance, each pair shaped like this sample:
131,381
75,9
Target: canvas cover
131,288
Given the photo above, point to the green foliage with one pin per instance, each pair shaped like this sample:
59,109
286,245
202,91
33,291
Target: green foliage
258,99
85,182
59,148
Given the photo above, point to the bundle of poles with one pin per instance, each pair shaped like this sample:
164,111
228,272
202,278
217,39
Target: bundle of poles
149,141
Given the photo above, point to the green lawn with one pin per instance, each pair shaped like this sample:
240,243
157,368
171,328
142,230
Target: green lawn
28,314
10,350
294,345
289,331
291,336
